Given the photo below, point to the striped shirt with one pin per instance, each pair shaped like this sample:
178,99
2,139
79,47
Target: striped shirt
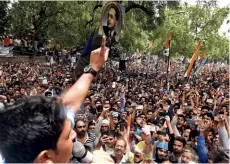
90,142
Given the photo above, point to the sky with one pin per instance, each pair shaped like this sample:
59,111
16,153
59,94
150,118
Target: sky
220,3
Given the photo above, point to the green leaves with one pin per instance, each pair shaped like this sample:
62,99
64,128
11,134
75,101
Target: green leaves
144,21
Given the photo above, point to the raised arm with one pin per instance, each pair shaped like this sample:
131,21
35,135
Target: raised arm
77,93
203,155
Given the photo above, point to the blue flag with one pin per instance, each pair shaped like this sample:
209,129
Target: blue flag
206,61
87,47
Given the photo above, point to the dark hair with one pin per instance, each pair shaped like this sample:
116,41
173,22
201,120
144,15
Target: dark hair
180,139
208,115
193,134
88,97
183,116
219,156
117,14
205,107
132,126
224,106
91,123
173,159
149,111
177,104
30,126
111,133
128,104
78,120
35,81
50,83
168,102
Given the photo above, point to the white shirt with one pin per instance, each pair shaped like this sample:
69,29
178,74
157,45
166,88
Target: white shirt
1,160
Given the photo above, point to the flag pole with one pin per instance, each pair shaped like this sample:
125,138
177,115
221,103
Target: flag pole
168,65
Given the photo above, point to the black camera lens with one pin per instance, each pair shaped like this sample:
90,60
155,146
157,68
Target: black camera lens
99,108
161,106
162,121
162,114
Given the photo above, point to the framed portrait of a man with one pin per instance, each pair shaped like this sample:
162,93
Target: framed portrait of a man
111,21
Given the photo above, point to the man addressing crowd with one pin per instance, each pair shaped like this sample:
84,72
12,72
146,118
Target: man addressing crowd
38,129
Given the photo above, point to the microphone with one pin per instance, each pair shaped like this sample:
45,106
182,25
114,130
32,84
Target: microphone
81,154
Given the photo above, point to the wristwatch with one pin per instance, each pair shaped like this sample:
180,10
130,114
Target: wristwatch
89,69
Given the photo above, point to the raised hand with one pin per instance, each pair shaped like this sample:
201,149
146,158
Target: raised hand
99,56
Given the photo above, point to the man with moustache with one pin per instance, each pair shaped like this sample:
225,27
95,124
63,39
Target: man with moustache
88,140
176,146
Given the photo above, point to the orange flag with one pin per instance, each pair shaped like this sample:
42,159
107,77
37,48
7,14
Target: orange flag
128,126
203,53
192,60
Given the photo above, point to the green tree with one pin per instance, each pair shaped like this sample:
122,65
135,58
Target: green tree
59,21
71,23
4,18
188,25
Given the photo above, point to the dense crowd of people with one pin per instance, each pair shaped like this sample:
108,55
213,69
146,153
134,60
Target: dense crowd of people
33,46
140,115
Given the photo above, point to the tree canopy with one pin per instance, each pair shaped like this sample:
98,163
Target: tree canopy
71,22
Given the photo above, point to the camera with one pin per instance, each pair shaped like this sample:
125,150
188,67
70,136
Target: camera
99,108
163,114
162,121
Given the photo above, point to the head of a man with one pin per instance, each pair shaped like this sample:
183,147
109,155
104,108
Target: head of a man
87,100
208,118
209,134
138,156
10,90
188,155
50,86
149,114
111,139
224,108
178,145
91,127
36,129
80,127
139,121
105,125
181,121
98,103
113,17
120,147
186,133
23,91
161,151
204,109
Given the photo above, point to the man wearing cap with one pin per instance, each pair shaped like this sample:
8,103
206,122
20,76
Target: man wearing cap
105,125
102,122
161,151
115,119
80,114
